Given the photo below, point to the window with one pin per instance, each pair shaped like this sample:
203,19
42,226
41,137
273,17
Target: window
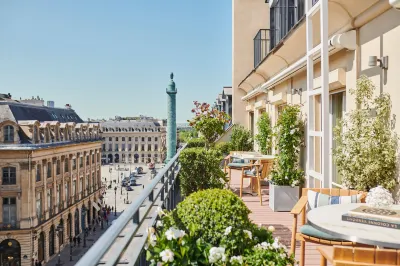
104,147
87,160
80,162
67,191
93,160
66,166
8,134
110,139
86,184
58,170
149,147
59,200
80,187
38,173
156,147
74,188
51,241
9,176
142,138
155,138
136,147
129,139
123,138
129,147
123,146
142,147
136,139
116,138
49,165
116,147
39,205
74,164
337,109
50,201
279,110
149,138
109,147
10,211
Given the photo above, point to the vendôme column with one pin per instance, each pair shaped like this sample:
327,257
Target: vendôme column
171,119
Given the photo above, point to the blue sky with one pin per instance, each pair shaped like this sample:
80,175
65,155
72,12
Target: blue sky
109,58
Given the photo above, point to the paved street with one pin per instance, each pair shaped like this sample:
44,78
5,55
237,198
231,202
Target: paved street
110,200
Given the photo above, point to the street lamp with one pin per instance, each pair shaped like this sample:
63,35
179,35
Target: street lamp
59,231
115,209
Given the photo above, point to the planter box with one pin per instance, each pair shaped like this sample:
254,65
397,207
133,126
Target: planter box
283,198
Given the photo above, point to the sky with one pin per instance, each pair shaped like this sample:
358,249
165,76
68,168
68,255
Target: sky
109,58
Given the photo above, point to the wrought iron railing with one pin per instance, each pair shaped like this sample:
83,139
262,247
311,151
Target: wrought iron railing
9,226
124,242
261,46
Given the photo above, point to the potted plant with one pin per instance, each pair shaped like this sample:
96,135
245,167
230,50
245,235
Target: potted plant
286,175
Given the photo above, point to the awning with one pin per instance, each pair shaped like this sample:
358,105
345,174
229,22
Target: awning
96,206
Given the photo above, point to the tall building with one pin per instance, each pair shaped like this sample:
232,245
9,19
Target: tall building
223,103
311,53
51,179
133,140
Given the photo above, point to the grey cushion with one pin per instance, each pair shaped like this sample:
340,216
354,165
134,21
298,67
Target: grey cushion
237,165
235,160
312,231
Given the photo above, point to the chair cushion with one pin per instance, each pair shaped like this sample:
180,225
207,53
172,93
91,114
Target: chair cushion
249,172
312,231
237,165
235,160
316,199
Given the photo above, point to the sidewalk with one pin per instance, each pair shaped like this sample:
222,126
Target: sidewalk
79,251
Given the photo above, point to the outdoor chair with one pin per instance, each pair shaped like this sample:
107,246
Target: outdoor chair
308,233
349,256
234,163
256,172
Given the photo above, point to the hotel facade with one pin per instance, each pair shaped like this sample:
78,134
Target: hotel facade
51,179
311,53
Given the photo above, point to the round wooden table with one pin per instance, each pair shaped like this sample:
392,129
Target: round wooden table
328,219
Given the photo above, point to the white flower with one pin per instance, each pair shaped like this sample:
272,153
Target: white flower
379,197
150,231
167,255
153,240
248,233
217,254
292,131
159,223
228,230
283,255
160,212
174,233
271,228
237,259
276,243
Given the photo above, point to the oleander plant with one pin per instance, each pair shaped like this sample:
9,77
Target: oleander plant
175,240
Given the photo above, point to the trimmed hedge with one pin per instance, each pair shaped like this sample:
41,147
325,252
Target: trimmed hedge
200,169
196,143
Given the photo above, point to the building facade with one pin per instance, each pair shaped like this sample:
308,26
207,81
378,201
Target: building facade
133,140
51,180
311,53
223,103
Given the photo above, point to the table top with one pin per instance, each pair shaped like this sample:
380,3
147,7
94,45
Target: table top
329,220
253,156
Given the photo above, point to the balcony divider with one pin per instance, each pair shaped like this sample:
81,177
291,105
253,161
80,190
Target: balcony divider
127,235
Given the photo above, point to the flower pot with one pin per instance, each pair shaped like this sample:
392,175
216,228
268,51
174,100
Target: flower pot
283,198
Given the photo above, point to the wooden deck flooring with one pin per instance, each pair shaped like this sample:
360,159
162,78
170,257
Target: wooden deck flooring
282,221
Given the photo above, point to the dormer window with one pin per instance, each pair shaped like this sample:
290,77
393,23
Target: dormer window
8,134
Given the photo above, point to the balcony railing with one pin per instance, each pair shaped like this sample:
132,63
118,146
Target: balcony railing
9,226
261,46
130,228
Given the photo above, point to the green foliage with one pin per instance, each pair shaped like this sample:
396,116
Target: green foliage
196,143
208,121
208,213
185,136
241,139
214,213
200,169
366,146
289,134
223,147
265,133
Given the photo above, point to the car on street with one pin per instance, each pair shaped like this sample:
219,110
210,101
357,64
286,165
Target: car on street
129,188
124,183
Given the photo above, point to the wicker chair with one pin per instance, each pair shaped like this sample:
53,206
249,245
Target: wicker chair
261,170
346,256
301,208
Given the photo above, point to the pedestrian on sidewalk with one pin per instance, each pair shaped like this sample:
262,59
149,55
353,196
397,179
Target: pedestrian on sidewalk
107,222
79,241
112,208
74,241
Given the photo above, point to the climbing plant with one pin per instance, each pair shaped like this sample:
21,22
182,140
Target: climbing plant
366,147
241,139
265,132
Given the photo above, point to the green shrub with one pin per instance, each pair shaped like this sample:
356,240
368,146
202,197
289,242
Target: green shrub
208,213
200,169
265,132
241,139
196,143
223,147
